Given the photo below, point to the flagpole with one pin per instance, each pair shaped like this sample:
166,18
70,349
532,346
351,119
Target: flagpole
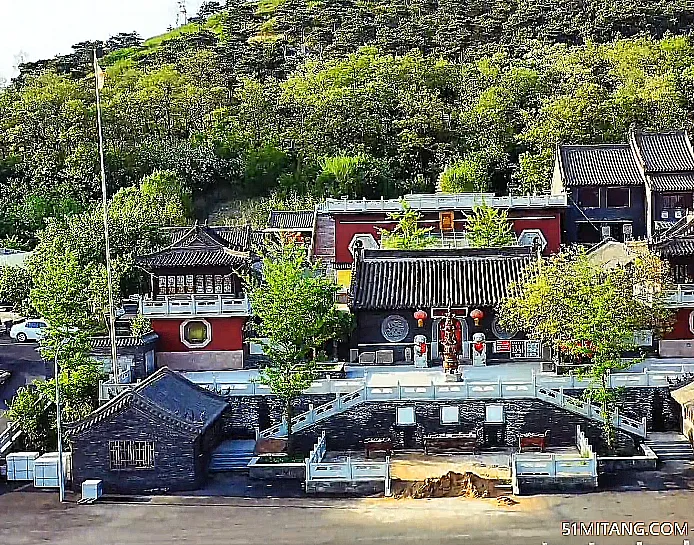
112,313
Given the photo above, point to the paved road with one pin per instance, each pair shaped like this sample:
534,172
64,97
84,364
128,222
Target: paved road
28,518
25,364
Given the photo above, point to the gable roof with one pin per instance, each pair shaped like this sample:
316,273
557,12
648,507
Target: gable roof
664,151
604,164
167,396
298,220
397,279
202,246
678,240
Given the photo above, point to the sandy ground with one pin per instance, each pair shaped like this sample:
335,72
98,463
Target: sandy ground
29,518
417,467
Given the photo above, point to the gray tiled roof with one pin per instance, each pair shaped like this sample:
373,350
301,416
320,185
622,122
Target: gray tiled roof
672,182
203,246
301,220
606,164
123,342
167,396
396,279
678,240
664,152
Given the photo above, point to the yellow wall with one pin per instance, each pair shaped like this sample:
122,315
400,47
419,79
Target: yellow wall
344,278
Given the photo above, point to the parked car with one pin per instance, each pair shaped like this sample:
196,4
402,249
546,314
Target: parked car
28,330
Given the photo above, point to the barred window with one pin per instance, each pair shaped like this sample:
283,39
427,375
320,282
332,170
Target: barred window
131,454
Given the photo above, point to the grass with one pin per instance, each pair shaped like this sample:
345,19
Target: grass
213,24
268,7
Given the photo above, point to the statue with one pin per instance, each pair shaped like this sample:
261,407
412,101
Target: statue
450,342
479,349
420,351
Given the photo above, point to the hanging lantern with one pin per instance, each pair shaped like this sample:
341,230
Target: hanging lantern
420,316
477,315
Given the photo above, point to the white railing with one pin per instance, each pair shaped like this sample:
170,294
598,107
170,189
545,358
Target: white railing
347,471
8,437
554,465
318,452
217,382
682,296
109,390
443,201
196,305
582,444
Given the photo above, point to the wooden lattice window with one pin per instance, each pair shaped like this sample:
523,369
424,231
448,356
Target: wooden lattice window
131,454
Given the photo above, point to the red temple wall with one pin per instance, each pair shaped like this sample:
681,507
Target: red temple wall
682,327
227,334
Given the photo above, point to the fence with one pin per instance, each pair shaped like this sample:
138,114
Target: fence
647,379
554,465
350,471
582,444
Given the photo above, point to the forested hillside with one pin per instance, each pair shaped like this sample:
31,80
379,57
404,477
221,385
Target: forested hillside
343,97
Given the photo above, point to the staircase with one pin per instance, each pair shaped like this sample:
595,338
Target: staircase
530,390
232,455
670,446
8,438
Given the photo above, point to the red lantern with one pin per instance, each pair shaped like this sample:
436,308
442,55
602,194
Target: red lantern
420,316
477,315
479,347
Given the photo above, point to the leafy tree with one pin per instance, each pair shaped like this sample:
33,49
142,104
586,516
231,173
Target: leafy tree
15,285
590,312
407,234
294,304
465,176
489,227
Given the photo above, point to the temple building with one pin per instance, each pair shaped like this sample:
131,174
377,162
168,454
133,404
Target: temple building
341,223
676,245
397,295
156,436
196,301
625,191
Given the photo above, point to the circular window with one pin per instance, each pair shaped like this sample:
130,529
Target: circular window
196,333
394,328
501,333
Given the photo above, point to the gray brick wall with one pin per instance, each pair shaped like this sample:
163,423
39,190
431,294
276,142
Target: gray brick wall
348,430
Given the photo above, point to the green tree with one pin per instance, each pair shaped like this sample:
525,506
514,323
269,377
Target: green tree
590,312
15,286
489,227
407,234
465,176
294,305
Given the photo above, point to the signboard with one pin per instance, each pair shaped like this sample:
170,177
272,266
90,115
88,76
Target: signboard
459,312
502,346
532,349
517,349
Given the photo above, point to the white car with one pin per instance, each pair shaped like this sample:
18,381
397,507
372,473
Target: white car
28,330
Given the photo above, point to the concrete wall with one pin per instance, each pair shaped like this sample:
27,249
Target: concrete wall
529,485
201,360
346,488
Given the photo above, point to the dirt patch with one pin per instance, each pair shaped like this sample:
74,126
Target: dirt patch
270,446
418,467
450,485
